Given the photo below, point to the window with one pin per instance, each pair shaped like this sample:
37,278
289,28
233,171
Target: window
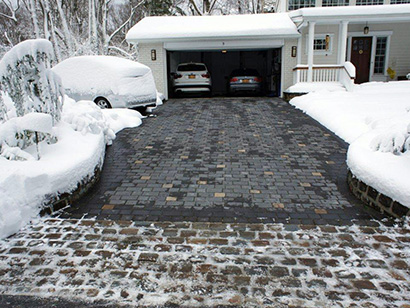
335,2
319,44
369,2
399,1
298,4
380,56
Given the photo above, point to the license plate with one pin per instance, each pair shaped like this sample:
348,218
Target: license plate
191,76
245,80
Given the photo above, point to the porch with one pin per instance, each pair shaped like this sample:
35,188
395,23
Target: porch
348,45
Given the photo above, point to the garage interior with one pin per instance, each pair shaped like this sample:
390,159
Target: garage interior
221,63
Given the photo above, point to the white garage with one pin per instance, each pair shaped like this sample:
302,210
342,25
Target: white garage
224,43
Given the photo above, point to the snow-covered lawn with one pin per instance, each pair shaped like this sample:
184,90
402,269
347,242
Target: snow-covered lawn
374,119
82,136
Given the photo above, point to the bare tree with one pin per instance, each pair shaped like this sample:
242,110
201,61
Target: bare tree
12,7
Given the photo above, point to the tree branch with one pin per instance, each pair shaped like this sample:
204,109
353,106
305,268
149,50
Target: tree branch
195,7
126,22
13,10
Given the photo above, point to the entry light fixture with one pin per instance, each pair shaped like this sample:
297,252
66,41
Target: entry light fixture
153,54
366,29
294,51
224,51
327,41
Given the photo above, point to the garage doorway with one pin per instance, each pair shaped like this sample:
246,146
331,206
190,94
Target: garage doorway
221,63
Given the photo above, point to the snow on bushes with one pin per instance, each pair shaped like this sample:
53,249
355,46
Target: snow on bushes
86,117
26,77
83,132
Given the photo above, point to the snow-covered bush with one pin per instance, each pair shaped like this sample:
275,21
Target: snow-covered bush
392,141
86,117
26,77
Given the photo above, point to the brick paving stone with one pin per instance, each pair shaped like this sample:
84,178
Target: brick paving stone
206,165
149,265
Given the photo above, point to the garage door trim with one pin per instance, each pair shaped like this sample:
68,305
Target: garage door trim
224,44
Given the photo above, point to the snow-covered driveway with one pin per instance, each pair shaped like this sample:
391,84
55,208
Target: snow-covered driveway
225,159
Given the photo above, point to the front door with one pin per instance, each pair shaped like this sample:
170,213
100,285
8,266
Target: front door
360,57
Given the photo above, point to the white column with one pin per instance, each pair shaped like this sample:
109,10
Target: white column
299,51
311,37
342,42
298,57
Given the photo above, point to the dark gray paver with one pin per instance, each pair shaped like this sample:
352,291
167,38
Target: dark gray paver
225,160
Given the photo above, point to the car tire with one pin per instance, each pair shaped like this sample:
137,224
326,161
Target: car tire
102,102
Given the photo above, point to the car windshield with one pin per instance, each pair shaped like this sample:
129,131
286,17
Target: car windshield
191,67
245,72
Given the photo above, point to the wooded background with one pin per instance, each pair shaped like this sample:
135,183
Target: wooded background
84,27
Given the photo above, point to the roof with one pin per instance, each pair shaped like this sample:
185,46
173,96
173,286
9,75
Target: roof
166,28
386,13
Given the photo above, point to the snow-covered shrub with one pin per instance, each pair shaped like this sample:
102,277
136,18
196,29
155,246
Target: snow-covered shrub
86,117
26,77
3,109
392,141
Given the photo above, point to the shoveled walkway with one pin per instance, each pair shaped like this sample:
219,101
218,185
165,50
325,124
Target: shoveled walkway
225,160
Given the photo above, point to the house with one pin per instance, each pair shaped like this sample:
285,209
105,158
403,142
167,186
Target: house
305,41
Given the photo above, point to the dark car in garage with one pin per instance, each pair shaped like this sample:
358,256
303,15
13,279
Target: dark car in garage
245,81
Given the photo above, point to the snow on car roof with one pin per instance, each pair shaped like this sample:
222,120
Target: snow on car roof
98,73
188,27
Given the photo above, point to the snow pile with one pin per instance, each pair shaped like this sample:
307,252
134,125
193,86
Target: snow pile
82,136
86,117
375,120
307,87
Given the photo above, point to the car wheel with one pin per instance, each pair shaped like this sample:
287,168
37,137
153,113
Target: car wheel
102,103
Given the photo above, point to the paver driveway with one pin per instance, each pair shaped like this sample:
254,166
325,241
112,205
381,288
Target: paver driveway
227,160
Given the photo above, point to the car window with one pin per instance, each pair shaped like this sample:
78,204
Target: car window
245,72
191,67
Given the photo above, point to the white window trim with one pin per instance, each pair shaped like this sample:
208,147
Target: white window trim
321,36
374,35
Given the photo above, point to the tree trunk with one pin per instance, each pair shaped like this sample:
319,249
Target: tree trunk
34,19
67,34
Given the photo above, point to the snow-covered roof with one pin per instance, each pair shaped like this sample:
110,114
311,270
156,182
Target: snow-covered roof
380,13
166,28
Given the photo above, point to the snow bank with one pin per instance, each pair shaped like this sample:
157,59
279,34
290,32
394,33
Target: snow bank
375,120
307,87
82,136
386,172
351,114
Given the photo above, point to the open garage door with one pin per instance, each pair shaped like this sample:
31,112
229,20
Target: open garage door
221,63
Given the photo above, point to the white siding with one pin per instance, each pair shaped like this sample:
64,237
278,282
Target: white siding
158,66
329,58
288,63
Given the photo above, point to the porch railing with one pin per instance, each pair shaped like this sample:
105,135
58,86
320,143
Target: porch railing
345,74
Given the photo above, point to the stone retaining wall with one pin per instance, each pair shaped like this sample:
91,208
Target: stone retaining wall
375,199
287,96
55,203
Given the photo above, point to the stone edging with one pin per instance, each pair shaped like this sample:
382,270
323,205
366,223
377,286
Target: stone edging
375,199
287,96
55,203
